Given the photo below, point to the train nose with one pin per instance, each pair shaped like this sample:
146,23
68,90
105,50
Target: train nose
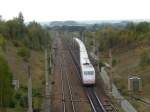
89,81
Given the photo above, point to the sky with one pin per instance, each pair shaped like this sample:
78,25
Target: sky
60,10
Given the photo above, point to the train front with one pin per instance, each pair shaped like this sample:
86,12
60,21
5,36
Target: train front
88,74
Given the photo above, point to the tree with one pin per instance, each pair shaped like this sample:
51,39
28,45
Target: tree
33,35
5,85
16,27
3,28
145,59
38,36
2,42
21,18
142,27
21,25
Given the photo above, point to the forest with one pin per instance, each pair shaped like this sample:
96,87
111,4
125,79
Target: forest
129,36
25,37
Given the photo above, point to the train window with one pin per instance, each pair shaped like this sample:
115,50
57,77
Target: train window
86,63
88,73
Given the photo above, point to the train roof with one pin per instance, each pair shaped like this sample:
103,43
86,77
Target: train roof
87,67
84,59
81,44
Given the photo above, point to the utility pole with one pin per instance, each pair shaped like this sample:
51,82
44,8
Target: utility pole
110,63
29,89
47,87
82,37
94,46
98,55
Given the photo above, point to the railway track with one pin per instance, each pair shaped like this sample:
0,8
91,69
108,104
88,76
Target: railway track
90,92
96,104
62,89
68,104
94,100
68,94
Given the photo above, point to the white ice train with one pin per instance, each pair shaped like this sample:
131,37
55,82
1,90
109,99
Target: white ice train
86,68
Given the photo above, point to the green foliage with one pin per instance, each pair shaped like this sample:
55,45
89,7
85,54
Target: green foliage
143,27
2,42
134,34
23,101
145,59
6,91
36,93
16,28
24,52
38,36
3,28
114,62
17,43
18,96
32,35
24,37
101,64
12,103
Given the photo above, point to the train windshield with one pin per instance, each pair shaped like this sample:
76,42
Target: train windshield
88,72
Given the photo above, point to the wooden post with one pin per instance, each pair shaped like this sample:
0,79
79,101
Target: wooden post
111,78
29,90
47,85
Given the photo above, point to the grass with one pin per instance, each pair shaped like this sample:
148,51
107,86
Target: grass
127,63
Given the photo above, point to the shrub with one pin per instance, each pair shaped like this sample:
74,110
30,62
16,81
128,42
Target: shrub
23,102
2,42
101,64
24,52
23,88
144,59
17,43
6,90
114,62
36,93
12,103
18,96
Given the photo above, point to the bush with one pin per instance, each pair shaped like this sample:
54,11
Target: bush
2,42
18,96
23,88
6,90
12,103
36,93
101,64
114,62
24,53
23,102
17,43
145,59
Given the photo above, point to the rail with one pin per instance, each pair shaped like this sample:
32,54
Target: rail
64,75
90,92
